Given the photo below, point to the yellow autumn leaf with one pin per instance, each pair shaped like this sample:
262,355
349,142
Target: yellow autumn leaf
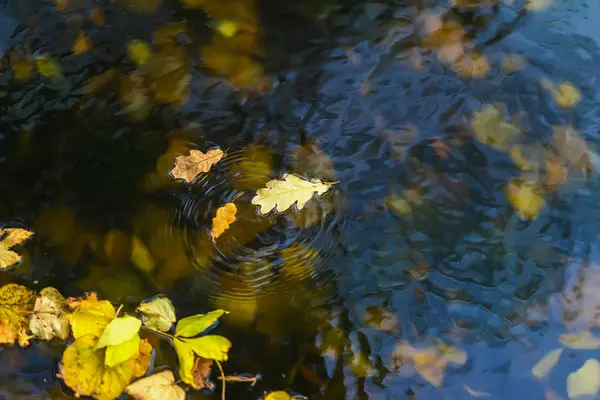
169,74
227,28
585,382
7,334
48,67
122,352
225,217
537,5
91,317
158,314
84,370
82,44
527,198
581,341
16,304
49,318
491,128
565,94
197,162
140,255
21,67
139,52
196,324
159,386
193,370
11,237
119,330
278,395
211,347
545,365
281,194
513,62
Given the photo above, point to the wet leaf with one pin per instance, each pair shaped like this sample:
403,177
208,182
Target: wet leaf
211,347
571,146
545,365
281,194
196,324
48,67
22,68
309,159
169,74
225,217
537,5
252,169
139,52
97,17
49,319
565,94
585,382
513,62
140,255
278,395
159,314
527,198
119,330
159,386
143,6
193,370
7,334
83,369
476,393
91,317
556,172
491,128
82,44
580,341
12,237
189,167
122,352
16,304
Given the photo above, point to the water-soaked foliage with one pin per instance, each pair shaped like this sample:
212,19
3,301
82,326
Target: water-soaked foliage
375,198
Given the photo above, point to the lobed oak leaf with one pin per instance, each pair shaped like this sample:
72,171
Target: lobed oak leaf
225,217
197,162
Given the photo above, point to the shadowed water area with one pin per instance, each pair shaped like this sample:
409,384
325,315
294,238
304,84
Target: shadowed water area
431,117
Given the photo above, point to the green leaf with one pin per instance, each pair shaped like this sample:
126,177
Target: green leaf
545,365
212,347
119,330
122,352
585,382
159,314
196,324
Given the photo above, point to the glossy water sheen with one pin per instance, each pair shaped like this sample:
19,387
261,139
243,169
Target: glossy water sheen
319,299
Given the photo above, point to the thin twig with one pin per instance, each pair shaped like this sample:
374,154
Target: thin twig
159,333
223,379
233,378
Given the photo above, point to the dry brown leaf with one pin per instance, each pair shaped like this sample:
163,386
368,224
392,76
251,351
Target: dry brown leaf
225,217
82,44
189,167
97,17
201,372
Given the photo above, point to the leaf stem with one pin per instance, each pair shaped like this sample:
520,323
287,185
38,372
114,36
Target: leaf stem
159,333
222,379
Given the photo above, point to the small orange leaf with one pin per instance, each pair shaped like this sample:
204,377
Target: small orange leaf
7,334
82,44
225,217
97,17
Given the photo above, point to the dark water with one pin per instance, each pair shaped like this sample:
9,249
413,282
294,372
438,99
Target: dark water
319,299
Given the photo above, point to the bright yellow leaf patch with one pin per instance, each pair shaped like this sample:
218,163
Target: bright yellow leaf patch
225,217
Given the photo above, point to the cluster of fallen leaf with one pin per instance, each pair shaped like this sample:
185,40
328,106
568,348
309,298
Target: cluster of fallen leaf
278,195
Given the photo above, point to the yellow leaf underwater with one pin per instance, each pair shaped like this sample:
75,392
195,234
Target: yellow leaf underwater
82,44
527,198
16,304
22,68
139,52
189,167
159,386
83,369
91,317
158,314
565,94
545,365
48,67
491,128
585,382
49,319
7,334
281,194
225,217
11,237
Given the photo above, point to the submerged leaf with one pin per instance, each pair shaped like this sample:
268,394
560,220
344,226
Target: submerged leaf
140,255
580,341
82,44
83,369
48,67
119,330
139,52
281,194
225,217
159,314
491,128
545,365
159,386
22,68
585,382
527,198
189,167
196,324
12,237
16,304
565,94
49,318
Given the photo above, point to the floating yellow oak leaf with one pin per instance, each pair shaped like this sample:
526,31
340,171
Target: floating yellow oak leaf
580,341
84,370
431,362
91,317
210,347
21,67
7,334
140,255
119,330
11,237
227,28
196,324
82,44
139,52
158,314
189,167
16,304
565,94
585,382
165,36
49,315
491,128
135,98
278,395
527,198
281,194
48,67
545,365
159,386
225,217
